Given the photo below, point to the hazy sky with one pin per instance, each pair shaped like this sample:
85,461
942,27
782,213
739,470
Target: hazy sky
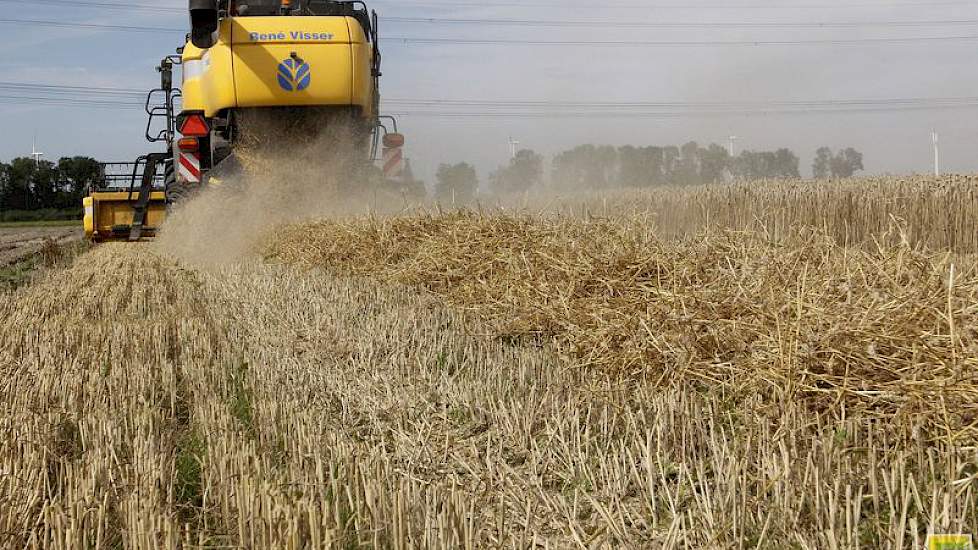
893,141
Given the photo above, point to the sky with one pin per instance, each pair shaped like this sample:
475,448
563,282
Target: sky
753,56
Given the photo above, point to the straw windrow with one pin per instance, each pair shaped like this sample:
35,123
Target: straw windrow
890,331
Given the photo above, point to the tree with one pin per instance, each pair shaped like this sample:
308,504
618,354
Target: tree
44,185
688,164
586,167
843,164
26,184
782,163
638,166
747,165
524,171
822,167
714,163
75,176
20,193
5,187
786,164
846,163
457,183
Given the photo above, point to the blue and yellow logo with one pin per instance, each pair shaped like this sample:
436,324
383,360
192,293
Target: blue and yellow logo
294,75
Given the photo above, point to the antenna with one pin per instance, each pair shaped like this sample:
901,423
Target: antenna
35,154
937,154
513,145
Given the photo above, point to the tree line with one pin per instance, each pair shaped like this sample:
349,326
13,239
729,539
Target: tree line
58,188
29,185
609,167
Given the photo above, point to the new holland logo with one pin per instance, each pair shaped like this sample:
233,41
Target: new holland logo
294,75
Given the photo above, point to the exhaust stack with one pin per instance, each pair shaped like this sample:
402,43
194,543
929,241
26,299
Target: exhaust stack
203,22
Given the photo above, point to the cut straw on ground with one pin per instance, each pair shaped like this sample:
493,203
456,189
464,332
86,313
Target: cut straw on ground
546,380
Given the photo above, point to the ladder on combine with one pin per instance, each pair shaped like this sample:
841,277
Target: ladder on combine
129,203
166,110
141,205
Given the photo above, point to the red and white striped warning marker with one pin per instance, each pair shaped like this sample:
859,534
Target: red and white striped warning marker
190,167
393,162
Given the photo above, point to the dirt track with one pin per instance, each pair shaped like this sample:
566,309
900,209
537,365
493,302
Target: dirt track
16,243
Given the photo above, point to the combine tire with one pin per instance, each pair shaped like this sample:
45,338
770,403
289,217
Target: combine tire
177,191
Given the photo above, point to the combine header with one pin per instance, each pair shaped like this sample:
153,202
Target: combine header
116,209
308,65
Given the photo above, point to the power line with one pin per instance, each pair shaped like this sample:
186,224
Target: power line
101,5
935,101
647,109
679,6
58,88
682,24
679,43
533,42
664,115
643,115
98,26
84,104
591,7
117,93
71,102
566,23
112,97
692,110
573,24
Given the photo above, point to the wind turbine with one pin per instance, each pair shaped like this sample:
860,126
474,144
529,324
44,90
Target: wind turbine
35,154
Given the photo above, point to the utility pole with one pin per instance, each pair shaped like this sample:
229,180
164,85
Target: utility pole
513,145
733,141
937,154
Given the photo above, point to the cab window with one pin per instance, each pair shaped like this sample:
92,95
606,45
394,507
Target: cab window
245,8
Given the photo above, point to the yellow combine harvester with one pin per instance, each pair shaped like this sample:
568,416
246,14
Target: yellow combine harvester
310,63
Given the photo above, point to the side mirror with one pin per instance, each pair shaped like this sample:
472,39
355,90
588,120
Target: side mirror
203,22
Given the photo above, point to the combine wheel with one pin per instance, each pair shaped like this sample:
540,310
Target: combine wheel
177,191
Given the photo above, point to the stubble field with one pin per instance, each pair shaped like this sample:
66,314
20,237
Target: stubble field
772,365
20,241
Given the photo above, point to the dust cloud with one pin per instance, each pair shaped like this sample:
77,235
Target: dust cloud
285,170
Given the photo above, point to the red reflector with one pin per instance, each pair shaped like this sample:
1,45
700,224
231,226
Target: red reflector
188,145
392,141
194,125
